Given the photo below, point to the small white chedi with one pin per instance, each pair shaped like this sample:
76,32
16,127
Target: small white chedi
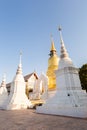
69,99
3,91
17,98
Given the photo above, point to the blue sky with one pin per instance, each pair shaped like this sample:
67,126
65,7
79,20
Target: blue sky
27,25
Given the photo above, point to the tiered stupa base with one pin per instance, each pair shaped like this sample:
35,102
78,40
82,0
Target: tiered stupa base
64,105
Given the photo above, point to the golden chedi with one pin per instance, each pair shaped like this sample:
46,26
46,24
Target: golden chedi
52,66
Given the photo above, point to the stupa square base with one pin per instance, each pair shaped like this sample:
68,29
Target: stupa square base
80,112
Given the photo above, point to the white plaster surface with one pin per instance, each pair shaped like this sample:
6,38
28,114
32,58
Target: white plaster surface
3,92
3,95
17,98
69,99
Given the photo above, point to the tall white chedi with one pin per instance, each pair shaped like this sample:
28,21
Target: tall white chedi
70,99
17,98
3,91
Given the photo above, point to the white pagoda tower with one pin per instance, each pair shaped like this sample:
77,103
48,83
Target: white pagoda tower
3,91
69,99
17,98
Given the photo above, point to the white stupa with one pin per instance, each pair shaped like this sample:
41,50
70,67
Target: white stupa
3,91
70,99
17,98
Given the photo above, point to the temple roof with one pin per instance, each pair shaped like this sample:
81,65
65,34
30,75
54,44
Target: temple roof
26,77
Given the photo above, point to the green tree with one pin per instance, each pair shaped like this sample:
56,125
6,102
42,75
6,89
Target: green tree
83,76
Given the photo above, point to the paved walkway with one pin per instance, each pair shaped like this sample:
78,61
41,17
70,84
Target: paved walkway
29,120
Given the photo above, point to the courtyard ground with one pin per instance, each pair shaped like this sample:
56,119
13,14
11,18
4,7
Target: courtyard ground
29,120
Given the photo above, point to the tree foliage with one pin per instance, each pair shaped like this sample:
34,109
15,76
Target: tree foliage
83,76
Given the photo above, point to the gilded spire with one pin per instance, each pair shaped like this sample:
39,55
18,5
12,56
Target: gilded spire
52,47
19,70
52,44
64,53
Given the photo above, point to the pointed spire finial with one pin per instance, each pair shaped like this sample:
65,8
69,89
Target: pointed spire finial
60,28
61,39
19,70
20,56
52,43
63,49
4,77
51,37
3,84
